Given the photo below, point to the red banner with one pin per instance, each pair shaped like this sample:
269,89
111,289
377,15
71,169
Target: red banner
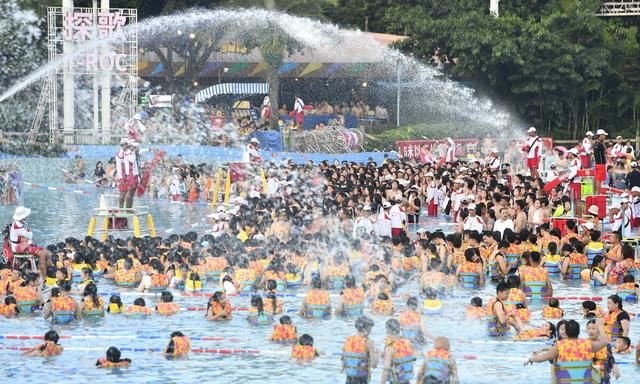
426,151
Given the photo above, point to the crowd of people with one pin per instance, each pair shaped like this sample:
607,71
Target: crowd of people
357,229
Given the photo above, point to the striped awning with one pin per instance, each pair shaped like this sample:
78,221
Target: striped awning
232,89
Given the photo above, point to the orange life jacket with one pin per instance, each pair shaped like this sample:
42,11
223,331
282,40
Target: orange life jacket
63,303
317,297
104,363
303,352
574,350
168,308
284,333
217,308
351,296
552,313
384,307
89,305
410,318
49,348
181,346
139,309
159,280
23,294
8,310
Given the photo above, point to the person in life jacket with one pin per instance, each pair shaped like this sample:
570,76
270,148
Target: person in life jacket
166,306
398,356
112,359
535,279
545,331
470,272
382,305
351,300
439,365
304,351
498,318
91,304
179,345
595,246
9,307
157,280
218,307
60,307
285,332
127,276
49,348
317,303
21,240
359,355
573,356
475,310
629,290
138,309
27,294
256,314
617,321
599,272
573,261
553,310
604,364
115,305
411,323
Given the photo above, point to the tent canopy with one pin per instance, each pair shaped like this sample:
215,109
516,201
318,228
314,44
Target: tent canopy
232,89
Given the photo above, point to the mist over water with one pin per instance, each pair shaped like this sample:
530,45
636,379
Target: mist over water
427,95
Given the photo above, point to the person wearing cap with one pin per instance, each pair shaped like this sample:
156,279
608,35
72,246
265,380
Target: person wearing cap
253,148
493,161
359,354
362,226
126,172
21,240
533,148
473,222
616,218
618,147
587,150
633,177
600,159
398,216
574,181
595,212
383,224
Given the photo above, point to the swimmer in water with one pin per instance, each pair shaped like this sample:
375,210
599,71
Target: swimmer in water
113,359
179,345
49,348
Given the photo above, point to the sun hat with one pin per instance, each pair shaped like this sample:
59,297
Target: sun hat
21,213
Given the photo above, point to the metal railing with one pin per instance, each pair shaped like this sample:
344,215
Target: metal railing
620,8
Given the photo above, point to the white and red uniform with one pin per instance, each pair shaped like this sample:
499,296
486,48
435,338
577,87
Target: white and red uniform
298,109
383,225
254,154
398,219
574,184
587,150
494,163
20,238
266,108
534,150
433,197
456,203
126,170
474,223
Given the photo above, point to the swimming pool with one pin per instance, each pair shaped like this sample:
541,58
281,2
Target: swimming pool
57,214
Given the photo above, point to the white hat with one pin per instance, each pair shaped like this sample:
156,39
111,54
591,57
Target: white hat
429,174
624,200
634,164
458,181
618,137
463,169
124,140
472,206
445,173
589,133
624,194
494,150
601,132
386,204
594,210
421,230
635,189
589,225
615,206
254,140
366,208
21,213
532,130
574,151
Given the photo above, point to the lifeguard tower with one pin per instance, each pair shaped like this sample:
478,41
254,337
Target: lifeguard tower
121,221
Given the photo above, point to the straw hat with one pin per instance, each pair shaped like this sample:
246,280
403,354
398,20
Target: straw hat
21,213
594,210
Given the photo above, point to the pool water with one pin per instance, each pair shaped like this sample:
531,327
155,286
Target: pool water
57,215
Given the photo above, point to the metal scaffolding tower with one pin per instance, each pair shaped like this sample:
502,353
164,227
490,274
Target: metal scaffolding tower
620,8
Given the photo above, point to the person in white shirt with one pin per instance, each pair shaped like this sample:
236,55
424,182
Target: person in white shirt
587,149
533,148
450,155
615,217
626,229
473,222
21,240
253,148
552,173
574,180
383,227
398,217
503,222
618,147
126,173
273,184
298,109
493,162
362,226
635,206
457,195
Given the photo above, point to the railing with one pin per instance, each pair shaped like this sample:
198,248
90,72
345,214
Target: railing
620,8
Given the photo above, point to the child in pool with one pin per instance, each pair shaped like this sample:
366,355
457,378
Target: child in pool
218,307
50,347
285,332
10,307
138,308
179,345
553,310
304,350
115,305
166,306
112,359
546,331
623,345
476,310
